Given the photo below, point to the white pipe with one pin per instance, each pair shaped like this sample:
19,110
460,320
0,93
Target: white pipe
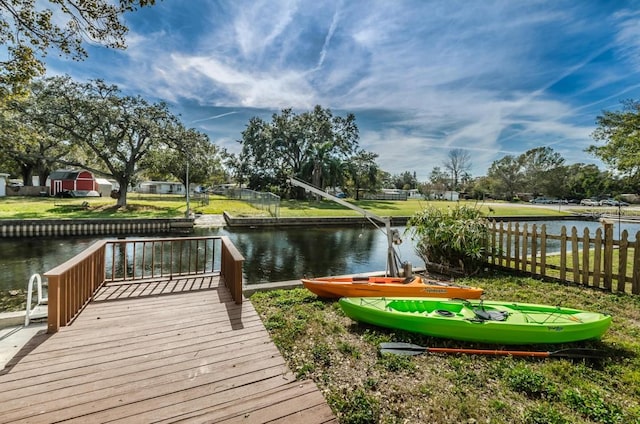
392,268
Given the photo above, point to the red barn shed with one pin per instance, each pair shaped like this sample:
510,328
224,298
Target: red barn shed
74,183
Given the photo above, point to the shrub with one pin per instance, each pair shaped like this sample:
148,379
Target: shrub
544,414
592,405
453,239
531,383
356,407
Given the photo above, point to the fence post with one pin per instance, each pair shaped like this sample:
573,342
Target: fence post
543,250
597,258
534,249
491,249
622,261
575,256
635,283
608,253
508,251
516,246
525,243
563,253
586,245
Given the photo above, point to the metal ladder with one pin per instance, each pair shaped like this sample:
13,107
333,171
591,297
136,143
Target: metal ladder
37,311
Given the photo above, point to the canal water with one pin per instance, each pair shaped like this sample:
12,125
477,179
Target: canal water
271,254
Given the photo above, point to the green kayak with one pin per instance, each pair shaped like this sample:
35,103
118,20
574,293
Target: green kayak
479,321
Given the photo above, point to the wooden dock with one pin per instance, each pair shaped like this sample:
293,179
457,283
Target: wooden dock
161,351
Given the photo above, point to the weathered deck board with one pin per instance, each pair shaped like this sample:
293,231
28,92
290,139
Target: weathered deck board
187,353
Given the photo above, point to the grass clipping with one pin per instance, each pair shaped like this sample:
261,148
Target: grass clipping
362,386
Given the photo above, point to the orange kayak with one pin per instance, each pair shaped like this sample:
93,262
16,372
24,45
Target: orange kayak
416,286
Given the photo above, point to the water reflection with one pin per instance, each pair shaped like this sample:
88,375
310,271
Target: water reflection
555,228
271,254
154,258
288,254
280,255
21,258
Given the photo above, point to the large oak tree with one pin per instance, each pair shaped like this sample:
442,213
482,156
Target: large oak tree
302,145
187,155
619,135
117,132
29,29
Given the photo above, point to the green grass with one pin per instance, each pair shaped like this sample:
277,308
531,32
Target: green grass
168,206
327,208
318,342
403,208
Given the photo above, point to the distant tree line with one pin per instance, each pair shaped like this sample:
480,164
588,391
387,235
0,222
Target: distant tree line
58,122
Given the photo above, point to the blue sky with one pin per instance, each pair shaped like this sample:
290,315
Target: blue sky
422,77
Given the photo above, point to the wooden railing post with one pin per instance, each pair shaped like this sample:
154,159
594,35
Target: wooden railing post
231,268
53,307
73,284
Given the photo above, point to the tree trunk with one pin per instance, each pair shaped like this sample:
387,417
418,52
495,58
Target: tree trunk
43,175
27,175
122,198
317,177
122,192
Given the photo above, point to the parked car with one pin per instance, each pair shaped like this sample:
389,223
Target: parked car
590,202
613,202
542,200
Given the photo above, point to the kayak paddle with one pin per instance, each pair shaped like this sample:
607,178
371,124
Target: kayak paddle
398,348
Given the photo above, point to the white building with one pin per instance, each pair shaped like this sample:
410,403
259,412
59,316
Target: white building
3,184
161,187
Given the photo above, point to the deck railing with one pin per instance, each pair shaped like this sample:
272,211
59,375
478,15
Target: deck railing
73,283
594,260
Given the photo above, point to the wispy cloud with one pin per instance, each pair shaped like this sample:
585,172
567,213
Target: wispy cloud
214,117
495,77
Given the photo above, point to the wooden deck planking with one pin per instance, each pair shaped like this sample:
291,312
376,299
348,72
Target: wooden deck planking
188,353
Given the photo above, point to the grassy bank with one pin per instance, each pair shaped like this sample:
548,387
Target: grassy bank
407,208
168,206
361,386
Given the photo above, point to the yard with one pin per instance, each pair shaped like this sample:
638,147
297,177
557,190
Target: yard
167,206
362,386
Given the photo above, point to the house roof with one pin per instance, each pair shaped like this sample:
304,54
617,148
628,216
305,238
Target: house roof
63,174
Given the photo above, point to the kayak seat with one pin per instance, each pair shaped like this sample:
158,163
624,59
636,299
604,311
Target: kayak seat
409,279
483,315
360,278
